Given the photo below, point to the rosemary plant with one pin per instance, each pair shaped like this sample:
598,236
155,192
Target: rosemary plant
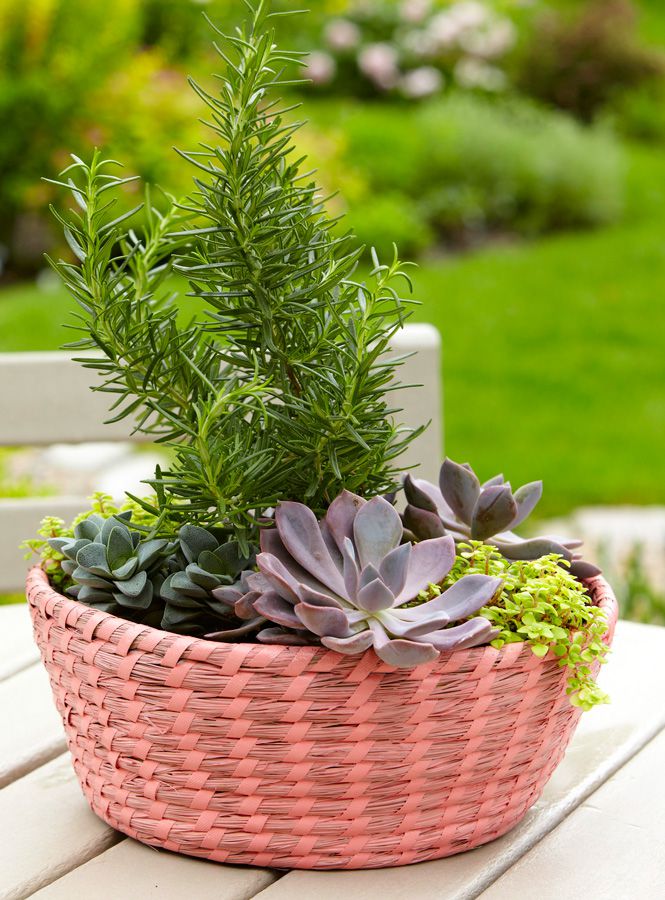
281,392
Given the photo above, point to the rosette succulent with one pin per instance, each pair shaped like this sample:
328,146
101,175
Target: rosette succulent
466,509
351,583
113,568
203,565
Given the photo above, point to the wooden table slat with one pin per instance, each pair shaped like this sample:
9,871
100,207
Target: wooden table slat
31,732
132,870
17,648
613,843
47,829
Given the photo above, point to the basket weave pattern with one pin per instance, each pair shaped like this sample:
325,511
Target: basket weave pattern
298,757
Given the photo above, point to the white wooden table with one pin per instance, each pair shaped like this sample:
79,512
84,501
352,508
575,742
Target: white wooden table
598,832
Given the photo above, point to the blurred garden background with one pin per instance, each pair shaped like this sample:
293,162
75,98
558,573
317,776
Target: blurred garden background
514,148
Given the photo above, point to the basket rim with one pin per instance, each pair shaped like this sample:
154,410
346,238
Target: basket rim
41,594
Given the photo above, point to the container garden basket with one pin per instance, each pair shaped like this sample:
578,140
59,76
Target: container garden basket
298,757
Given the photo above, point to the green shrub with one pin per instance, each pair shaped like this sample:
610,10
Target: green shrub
48,67
383,220
466,166
582,59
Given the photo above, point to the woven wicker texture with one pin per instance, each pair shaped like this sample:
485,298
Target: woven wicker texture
298,757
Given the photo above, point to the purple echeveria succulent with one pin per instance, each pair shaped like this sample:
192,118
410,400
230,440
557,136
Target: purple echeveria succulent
347,581
466,509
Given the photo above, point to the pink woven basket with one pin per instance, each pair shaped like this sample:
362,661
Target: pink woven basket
298,757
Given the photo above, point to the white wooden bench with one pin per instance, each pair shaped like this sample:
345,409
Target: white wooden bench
45,399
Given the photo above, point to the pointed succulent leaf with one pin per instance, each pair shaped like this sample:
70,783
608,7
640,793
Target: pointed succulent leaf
288,639
430,562
420,494
356,643
403,654
422,523
533,548
469,634
277,610
583,570
460,489
244,606
299,531
394,568
526,499
377,530
494,512
374,597
341,515
229,594
331,544
368,574
466,596
323,620
498,479
279,577
319,599
350,571
236,633
398,625
67,546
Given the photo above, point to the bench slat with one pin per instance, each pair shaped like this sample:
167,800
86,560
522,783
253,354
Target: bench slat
31,732
612,846
131,870
46,399
19,519
47,830
17,647
607,737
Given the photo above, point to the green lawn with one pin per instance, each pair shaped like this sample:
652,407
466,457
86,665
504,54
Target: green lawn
554,364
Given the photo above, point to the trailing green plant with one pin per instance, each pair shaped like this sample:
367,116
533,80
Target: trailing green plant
542,604
113,568
282,392
460,505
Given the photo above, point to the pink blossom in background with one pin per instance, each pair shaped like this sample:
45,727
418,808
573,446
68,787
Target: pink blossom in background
415,10
320,67
341,34
379,63
421,82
